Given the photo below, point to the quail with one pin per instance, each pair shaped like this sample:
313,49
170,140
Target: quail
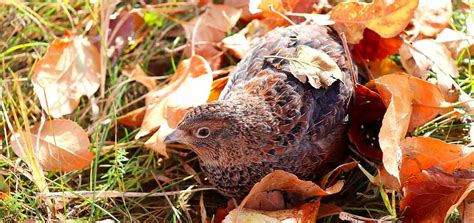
266,119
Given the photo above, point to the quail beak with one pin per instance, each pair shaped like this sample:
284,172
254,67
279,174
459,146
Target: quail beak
175,137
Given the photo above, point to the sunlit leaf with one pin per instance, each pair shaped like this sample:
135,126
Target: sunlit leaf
189,86
375,48
430,196
59,145
387,18
410,102
69,69
431,17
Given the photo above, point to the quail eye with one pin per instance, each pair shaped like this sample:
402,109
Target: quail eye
203,132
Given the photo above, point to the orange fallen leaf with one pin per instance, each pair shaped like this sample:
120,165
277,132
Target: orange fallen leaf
133,118
217,87
61,145
67,71
374,48
430,196
383,67
326,210
212,28
387,18
189,86
286,7
431,17
422,153
137,74
410,102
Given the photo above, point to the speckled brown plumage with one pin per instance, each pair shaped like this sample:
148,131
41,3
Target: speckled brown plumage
266,119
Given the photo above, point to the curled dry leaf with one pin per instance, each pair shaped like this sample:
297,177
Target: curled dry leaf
264,194
217,87
431,17
366,120
431,195
425,55
410,102
455,42
305,213
212,28
59,145
137,74
314,66
67,71
267,199
345,167
387,18
190,86
422,153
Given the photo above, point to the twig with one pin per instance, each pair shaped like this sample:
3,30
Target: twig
349,59
114,194
193,36
280,14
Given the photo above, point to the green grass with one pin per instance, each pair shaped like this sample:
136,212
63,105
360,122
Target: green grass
122,163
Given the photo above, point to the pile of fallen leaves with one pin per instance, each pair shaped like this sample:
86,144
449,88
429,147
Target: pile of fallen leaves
410,60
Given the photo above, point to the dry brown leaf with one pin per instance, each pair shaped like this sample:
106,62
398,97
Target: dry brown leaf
266,202
239,44
67,71
410,102
137,74
190,86
279,181
387,18
455,42
213,25
314,66
431,17
425,55
305,213
62,145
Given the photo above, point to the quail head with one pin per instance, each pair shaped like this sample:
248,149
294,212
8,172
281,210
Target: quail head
266,119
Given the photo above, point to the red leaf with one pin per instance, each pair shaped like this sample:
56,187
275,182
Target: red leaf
366,118
374,47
